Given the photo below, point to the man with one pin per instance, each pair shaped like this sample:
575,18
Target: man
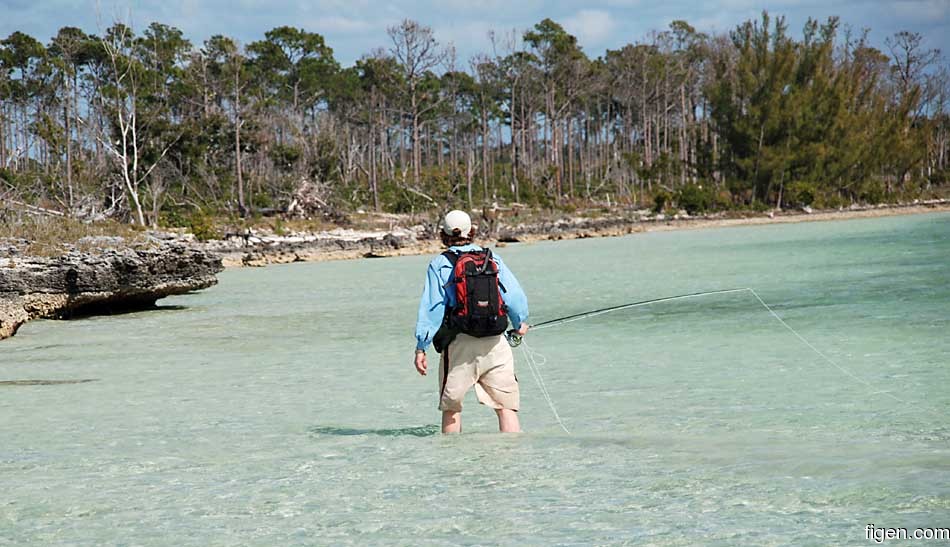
485,362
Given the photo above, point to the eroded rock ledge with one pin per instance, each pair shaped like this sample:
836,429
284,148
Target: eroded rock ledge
96,281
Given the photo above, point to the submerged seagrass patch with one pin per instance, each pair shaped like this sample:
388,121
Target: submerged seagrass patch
45,382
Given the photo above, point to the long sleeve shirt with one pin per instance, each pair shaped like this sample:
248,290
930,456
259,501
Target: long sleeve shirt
435,297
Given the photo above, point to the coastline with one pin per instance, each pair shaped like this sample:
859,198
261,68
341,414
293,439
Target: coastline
269,250
117,273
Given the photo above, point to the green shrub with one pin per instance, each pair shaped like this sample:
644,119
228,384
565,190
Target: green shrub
801,193
910,191
284,156
173,218
202,226
694,198
723,200
940,177
395,199
760,206
260,200
324,162
534,195
831,200
279,227
741,189
660,199
872,191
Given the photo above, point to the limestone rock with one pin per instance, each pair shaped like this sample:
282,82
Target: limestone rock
113,279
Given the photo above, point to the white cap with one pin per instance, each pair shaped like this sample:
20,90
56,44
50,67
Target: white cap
457,223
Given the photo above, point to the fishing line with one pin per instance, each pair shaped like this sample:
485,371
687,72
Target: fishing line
829,360
539,360
586,315
533,367
531,356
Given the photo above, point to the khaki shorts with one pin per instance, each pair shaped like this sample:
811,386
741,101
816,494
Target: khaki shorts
487,364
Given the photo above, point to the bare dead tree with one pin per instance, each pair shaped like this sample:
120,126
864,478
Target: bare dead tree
416,50
912,64
127,149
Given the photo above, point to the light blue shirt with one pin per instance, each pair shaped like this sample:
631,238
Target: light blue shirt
435,298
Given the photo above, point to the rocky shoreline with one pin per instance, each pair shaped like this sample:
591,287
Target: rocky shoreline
263,248
101,280
108,275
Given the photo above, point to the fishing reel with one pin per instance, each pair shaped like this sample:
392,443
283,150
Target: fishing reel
514,339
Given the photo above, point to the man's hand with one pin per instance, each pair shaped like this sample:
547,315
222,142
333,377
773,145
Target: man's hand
421,364
523,329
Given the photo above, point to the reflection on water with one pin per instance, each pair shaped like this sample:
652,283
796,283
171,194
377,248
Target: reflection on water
118,309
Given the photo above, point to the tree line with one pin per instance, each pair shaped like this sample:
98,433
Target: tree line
150,128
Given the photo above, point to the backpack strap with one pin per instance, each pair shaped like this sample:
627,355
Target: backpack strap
488,259
492,258
446,334
452,257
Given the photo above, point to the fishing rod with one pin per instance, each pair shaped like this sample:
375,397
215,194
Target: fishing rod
514,339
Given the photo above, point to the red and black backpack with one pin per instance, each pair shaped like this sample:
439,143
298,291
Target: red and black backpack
479,309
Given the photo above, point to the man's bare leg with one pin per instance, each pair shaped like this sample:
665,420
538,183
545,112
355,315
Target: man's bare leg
451,421
507,421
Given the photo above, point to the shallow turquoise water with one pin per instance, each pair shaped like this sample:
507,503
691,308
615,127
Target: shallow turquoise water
281,406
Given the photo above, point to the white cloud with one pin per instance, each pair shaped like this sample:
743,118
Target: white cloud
340,24
468,38
592,27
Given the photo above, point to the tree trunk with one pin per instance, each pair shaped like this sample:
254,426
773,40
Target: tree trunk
3,135
416,153
485,153
242,206
525,150
69,148
684,144
755,176
513,150
469,173
403,160
570,156
373,175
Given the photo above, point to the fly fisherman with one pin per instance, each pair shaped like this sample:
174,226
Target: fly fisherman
468,300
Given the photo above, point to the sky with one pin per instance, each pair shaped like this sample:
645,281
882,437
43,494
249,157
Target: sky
356,27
